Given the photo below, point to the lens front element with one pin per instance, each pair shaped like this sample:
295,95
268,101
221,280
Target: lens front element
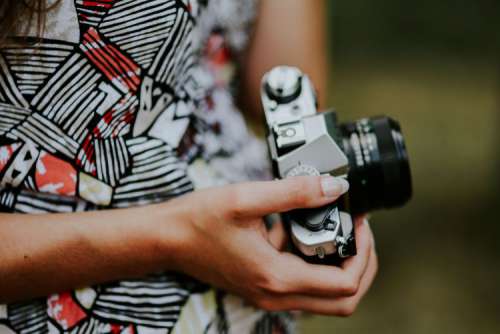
379,171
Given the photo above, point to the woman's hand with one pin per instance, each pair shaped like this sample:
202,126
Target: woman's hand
221,239
216,235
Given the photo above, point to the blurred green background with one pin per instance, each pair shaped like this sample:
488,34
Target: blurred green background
434,66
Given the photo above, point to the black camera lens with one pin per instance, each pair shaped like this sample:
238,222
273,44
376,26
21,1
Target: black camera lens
379,171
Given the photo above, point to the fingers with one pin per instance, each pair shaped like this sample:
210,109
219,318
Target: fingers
345,297
255,199
349,305
364,243
299,276
278,236
343,306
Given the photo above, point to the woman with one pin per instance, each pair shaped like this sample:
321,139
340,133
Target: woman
112,113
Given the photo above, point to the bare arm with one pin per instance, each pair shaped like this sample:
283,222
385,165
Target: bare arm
216,235
291,32
40,254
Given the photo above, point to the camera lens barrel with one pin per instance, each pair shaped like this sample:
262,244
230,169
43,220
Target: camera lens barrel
379,170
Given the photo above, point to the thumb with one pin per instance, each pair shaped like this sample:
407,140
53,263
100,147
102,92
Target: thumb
277,235
257,199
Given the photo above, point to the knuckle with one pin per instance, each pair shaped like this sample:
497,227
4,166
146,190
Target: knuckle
370,243
366,252
277,285
234,201
262,277
302,192
366,243
350,288
347,309
271,282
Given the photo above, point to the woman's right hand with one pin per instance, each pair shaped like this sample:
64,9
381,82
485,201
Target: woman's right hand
221,239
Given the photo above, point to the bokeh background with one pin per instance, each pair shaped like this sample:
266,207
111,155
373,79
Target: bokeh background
433,65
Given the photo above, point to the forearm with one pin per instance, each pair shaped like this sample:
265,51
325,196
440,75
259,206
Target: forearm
291,32
41,254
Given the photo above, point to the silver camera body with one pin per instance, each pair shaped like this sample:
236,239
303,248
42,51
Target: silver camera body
303,141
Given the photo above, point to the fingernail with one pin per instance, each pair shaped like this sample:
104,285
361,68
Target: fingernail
334,186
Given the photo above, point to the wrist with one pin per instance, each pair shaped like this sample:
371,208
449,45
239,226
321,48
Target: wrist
167,232
138,240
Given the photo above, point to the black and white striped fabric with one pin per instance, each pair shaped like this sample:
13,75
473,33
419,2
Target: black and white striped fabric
35,323
152,302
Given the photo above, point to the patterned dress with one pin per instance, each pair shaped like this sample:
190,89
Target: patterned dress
124,103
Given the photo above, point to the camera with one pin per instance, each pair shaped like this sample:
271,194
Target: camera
370,153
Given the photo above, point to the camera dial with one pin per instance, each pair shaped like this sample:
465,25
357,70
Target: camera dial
302,170
369,152
284,84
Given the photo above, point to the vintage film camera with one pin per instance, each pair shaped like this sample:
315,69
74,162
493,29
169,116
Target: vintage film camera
370,153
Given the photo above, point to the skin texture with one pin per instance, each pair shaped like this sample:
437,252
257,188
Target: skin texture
291,32
216,235
237,253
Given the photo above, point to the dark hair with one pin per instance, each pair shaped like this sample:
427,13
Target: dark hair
16,16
